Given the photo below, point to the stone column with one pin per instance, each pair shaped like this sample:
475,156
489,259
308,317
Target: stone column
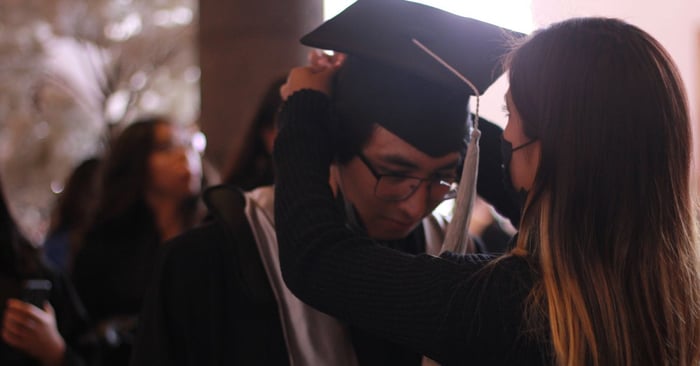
243,45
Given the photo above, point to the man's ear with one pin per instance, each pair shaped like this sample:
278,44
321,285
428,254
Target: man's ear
334,178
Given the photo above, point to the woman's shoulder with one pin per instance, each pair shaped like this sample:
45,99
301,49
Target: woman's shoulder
514,272
505,280
513,262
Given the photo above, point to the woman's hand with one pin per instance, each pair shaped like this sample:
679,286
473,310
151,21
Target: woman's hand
317,76
319,60
33,331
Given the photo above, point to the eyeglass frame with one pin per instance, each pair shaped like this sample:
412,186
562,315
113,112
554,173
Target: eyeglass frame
452,187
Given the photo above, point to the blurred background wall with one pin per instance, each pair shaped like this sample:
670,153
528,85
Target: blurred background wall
243,45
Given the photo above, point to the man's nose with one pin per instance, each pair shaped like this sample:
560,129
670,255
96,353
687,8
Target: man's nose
416,205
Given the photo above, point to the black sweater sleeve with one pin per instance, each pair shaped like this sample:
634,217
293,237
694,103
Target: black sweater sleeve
451,311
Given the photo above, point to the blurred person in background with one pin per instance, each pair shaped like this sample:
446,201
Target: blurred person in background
151,181
50,331
211,302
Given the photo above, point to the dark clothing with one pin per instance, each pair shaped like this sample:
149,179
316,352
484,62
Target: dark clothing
372,350
71,318
201,310
57,249
211,304
111,274
455,310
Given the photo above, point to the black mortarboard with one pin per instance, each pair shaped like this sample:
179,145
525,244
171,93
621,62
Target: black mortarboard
389,80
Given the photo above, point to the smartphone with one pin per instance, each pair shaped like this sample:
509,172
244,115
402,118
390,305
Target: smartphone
36,292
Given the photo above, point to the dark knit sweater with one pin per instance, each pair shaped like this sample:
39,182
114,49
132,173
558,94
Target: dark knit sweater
455,310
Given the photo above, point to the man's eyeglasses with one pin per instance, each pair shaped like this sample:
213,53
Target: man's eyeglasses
395,187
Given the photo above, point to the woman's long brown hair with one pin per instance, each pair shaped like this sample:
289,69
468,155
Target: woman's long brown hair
610,221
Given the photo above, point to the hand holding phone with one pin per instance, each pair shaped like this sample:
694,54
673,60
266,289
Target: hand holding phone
36,292
29,324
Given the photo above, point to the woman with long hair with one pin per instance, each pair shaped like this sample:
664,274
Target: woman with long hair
47,331
220,307
605,267
150,185
609,219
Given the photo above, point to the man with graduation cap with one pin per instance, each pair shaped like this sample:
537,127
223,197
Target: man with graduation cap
400,123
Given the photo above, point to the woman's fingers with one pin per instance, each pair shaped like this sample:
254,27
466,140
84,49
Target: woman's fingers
307,78
23,310
317,75
16,328
319,60
337,59
20,320
11,338
49,309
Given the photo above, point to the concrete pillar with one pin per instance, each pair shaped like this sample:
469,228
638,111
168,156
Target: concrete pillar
243,45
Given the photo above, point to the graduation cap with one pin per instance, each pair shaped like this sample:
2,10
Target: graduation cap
387,79
411,69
